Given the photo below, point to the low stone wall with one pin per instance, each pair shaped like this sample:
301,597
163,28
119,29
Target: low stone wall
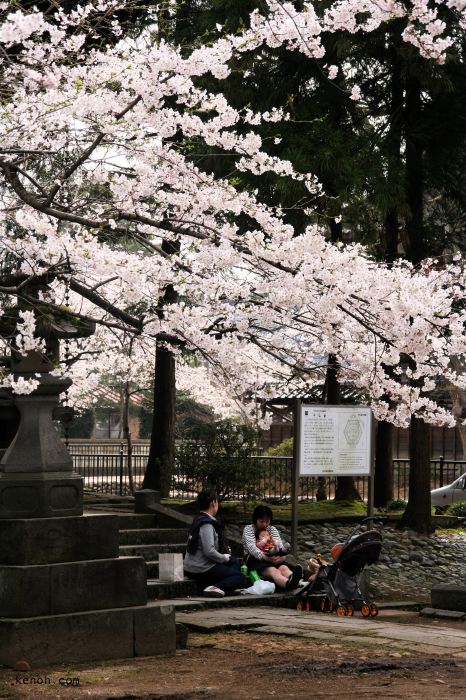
449,597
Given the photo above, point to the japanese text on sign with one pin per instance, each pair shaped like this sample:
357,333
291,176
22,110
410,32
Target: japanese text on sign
335,440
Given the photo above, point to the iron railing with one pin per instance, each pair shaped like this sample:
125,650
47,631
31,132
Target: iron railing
105,470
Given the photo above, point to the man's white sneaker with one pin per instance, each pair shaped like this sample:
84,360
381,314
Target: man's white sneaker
213,592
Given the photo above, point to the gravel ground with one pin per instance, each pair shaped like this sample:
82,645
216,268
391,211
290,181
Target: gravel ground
410,564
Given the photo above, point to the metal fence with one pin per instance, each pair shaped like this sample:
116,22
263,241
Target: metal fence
105,470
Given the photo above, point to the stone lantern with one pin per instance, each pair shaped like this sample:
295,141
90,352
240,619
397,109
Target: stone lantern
36,472
66,595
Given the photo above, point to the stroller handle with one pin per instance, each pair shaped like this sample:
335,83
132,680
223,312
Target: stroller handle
378,519
375,519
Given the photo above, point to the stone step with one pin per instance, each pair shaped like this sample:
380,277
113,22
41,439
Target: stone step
91,635
136,521
199,602
152,568
149,552
71,587
152,536
159,590
114,508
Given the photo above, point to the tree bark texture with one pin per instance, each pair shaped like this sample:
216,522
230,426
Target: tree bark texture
345,487
417,515
418,511
128,437
393,148
383,478
414,174
161,458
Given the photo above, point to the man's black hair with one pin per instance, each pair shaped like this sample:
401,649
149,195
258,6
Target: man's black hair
205,498
262,512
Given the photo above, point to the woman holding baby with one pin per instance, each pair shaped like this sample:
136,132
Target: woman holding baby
265,552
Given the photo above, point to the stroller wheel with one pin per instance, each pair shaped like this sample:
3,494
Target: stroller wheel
326,605
342,611
349,610
373,610
365,610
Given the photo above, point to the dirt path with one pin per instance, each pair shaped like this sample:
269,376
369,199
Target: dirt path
244,665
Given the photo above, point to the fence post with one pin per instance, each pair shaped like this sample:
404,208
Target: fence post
121,468
441,460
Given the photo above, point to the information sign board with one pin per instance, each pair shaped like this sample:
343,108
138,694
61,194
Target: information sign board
335,440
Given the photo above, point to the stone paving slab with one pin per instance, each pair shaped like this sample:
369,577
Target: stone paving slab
377,632
457,615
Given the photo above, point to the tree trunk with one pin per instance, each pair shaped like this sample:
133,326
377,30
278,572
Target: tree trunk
393,149
414,174
391,235
417,515
418,511
383,477
161,458
345,489
321,493
128,437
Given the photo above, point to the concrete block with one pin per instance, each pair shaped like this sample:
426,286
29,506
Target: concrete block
88,636
154,630
53,540
145,499
449,596
72,587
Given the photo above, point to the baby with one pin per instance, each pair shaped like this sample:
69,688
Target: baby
265,542
314,566
267,545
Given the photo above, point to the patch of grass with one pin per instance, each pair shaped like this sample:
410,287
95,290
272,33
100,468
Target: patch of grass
450,531
458,509
240,511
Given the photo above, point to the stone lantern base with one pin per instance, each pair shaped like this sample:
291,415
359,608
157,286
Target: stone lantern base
45,495
66,595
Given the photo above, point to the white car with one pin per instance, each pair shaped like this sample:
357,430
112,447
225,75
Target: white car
446,495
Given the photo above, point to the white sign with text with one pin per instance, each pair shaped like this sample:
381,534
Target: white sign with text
335,440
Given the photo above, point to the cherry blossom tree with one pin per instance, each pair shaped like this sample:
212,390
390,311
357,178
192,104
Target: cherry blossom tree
102,198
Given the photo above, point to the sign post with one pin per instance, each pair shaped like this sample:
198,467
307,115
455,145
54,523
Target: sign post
331,441
295,477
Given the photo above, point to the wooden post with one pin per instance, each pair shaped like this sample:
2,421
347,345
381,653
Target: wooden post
295,476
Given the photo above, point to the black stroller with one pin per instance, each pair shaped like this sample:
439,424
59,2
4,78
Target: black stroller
336,586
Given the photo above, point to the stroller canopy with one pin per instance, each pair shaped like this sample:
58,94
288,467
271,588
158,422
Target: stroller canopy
362,549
